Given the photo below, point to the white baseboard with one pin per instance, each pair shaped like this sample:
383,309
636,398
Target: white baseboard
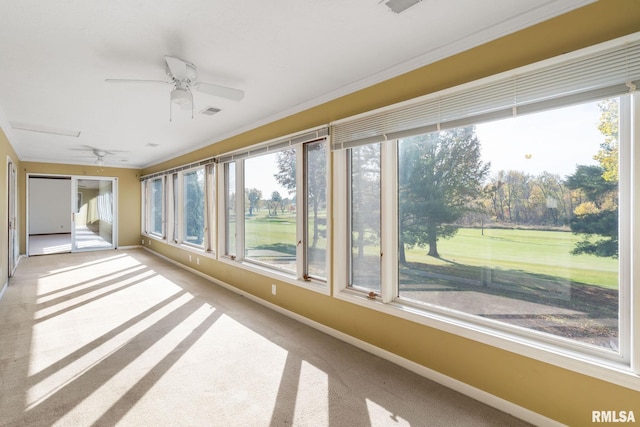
127,248
435,376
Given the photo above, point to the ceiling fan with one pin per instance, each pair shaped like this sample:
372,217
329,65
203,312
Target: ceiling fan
183,75
97,153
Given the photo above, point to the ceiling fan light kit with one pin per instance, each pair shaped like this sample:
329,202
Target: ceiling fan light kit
183,75
181,97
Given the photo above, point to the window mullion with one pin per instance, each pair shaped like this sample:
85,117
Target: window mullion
145,207
164,206
210,212
302,266
180,211
389,221
220,208
170,208
631,133
340,251
625,227
175,207
240,226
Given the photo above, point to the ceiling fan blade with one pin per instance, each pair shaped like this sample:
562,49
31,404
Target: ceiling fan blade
137,81
177,67
94,150
221,91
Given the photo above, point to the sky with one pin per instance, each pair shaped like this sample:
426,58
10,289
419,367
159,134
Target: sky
556,140
259,173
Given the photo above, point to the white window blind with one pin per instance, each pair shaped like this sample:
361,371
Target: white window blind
204,162
275,145
607,70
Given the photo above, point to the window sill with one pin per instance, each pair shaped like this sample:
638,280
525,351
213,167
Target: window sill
612,371
312,285
185,246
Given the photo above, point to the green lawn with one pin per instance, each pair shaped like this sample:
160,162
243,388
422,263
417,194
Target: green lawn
535,253
531,266
546,253
262,231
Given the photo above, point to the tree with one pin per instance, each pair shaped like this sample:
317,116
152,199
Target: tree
254,195
516,194
276,199
555,199
608,126
590,179
316,180
194,206
286,175
598,215
440,175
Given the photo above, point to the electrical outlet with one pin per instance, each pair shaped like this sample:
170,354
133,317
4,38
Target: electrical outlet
189,258
273,289
198,260
142,242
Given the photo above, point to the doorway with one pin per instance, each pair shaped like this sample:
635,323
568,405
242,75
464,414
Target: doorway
71,214
93,214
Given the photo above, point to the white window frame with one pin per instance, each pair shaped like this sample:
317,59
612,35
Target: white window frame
303,206
145,189
181,232
300,277
622,368
173,198
149,212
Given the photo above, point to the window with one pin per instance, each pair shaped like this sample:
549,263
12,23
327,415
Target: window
230,212
193,208
282,189
156,206
316,202
517,221
154,213
179,205
503,205
270,214
365,217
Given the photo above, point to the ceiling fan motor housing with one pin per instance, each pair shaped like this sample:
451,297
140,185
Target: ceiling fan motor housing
190,74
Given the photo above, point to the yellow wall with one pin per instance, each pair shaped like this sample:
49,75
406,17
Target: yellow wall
560,394
128,196
5,150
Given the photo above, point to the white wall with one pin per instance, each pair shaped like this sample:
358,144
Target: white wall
49,205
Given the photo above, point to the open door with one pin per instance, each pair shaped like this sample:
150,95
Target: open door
94,213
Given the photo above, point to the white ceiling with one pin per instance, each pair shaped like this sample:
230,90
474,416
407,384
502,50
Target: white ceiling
287,55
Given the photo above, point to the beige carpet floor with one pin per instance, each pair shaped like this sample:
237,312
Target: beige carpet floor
125,338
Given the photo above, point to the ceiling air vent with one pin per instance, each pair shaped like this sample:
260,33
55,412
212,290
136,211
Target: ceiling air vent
210,111
399,6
